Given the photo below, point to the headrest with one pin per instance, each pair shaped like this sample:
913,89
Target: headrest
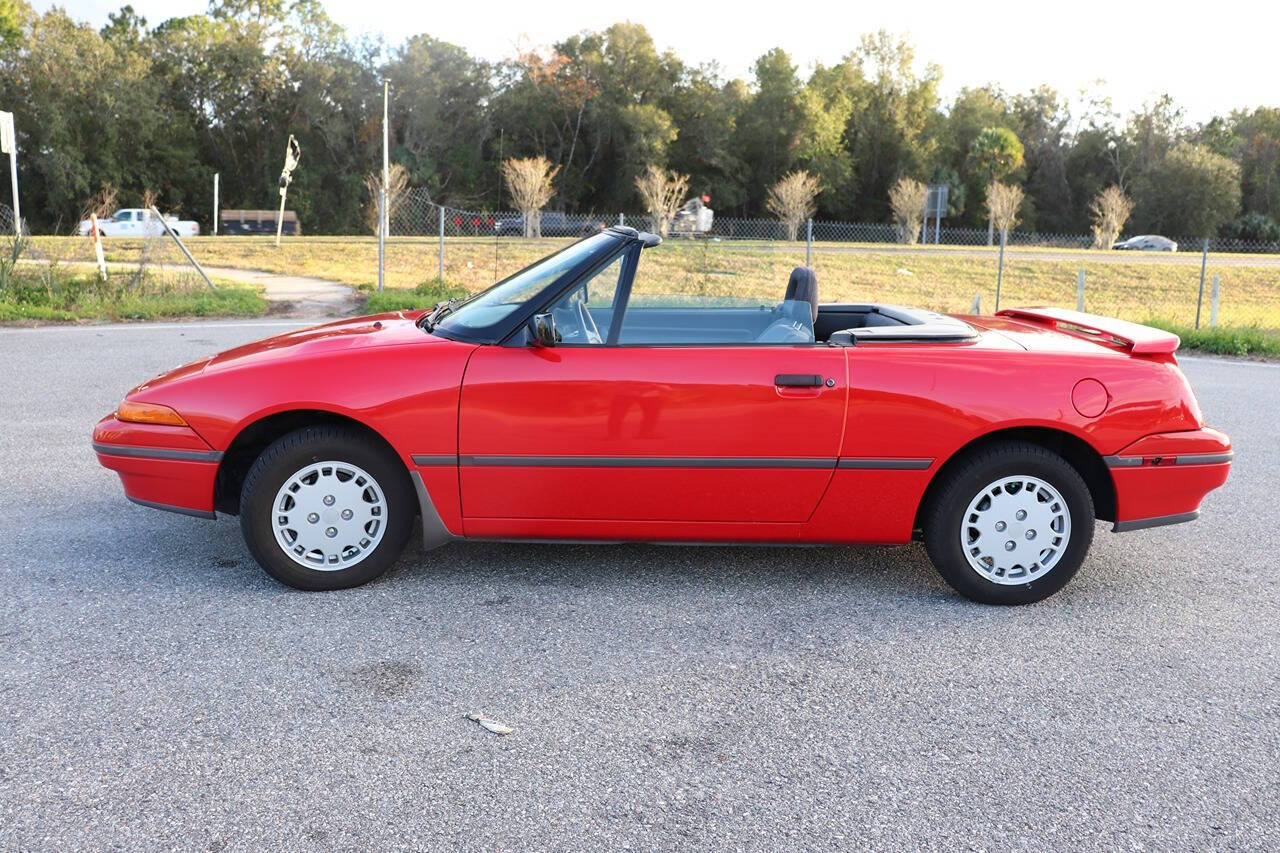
803,287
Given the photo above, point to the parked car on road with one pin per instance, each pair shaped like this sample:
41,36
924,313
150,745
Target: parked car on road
1147,243
138,222
553,224
571,401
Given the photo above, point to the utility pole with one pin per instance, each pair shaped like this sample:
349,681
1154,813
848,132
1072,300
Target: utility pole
9,145
383,216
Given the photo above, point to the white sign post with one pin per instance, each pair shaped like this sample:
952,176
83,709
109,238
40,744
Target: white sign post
96,233
9,145
215,204
291,154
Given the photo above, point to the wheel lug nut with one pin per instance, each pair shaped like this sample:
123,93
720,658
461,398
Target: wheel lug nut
1021,514
1031,534
328,500
1009,546
313,518
346,515
1000,526
333,531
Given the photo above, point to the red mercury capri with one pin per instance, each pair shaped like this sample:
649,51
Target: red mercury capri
577,401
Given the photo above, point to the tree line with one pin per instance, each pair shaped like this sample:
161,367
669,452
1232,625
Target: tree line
162,108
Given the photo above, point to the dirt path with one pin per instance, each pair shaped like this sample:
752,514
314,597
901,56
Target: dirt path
294,296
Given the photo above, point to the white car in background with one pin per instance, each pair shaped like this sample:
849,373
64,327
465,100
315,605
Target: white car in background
1148,243
137,222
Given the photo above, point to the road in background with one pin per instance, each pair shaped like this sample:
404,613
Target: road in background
159,690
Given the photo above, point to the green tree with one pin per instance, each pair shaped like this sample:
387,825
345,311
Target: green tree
1190,192
826,105
438,116
894,108
706,110
973,110
1257,150
769,126
13,17
1041,119
994,155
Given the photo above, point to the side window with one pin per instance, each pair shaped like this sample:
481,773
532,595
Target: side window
684,295
583,315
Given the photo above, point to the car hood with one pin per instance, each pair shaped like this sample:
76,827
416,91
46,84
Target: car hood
377,330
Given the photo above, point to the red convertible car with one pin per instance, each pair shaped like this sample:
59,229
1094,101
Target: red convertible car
576,401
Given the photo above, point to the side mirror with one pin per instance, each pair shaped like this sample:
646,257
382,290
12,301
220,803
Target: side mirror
544,330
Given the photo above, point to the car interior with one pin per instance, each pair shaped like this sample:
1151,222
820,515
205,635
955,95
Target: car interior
797,319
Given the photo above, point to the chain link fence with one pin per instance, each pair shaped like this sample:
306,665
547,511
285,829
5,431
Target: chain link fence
866,262
6,219
418,216
444,251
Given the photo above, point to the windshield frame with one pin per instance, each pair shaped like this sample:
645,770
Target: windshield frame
611,241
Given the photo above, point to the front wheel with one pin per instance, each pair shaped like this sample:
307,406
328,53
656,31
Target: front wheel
326,508
1011,524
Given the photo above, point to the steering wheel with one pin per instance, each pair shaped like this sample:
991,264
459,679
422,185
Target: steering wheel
589,330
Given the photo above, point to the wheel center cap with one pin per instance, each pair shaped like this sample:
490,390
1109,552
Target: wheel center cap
331,516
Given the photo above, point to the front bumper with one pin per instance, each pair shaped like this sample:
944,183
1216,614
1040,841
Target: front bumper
1163,478
163,467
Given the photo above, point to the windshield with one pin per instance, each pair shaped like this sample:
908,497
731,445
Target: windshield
494,305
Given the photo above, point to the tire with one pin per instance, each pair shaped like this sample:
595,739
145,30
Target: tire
348,508
1014,489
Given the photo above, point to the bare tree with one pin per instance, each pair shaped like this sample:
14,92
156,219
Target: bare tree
101,204
663,192
529,182
397,192
907,198
791,200
1003,201
1110,209
149,245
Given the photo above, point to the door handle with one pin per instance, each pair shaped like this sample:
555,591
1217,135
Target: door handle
797,380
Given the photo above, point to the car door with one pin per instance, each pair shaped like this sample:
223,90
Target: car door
678,430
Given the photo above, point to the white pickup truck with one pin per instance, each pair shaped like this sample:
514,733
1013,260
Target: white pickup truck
136,222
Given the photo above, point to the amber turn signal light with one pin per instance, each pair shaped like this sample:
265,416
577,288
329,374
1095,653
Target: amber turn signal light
148,413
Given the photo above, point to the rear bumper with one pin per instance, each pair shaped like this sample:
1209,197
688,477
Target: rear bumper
1163,478
168,468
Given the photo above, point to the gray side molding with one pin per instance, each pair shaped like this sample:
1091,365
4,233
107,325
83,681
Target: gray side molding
1158,521
158,452
180,510
434,533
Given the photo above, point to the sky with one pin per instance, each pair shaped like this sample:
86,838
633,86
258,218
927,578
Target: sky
1210,63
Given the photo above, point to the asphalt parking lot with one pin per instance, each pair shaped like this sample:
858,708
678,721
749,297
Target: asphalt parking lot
160,691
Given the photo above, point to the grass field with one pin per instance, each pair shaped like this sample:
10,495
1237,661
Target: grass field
944,281
62,294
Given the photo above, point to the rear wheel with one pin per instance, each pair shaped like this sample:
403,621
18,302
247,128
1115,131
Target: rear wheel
326,508
1011,524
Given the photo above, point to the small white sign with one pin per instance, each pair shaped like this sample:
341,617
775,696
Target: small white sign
7,142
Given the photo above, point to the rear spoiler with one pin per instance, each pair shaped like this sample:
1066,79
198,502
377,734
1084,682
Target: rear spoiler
1136,338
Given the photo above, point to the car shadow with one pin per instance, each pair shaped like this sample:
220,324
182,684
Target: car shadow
871,570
